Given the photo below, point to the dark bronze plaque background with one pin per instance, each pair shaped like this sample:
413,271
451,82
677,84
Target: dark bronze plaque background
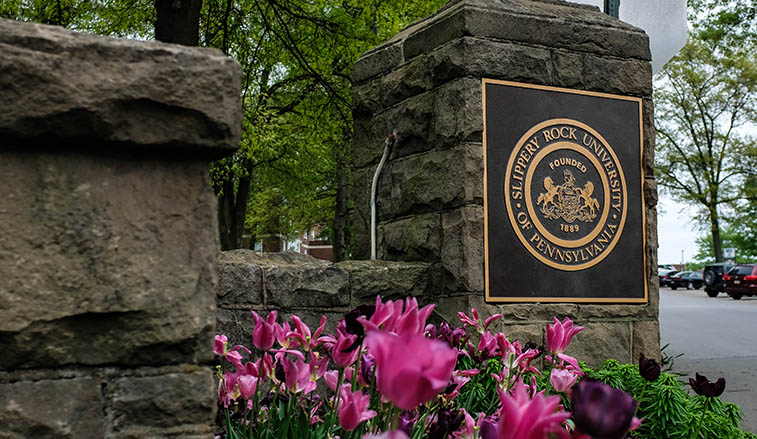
513,274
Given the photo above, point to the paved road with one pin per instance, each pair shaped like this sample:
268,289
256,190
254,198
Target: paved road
718,337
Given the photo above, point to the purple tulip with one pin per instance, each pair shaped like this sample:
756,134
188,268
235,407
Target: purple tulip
705,387
601,411
406,421
649,369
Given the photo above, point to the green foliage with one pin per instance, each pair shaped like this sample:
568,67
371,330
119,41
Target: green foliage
480,393
667,409
746,250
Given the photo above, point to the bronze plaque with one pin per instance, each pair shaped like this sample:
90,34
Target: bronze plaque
563,195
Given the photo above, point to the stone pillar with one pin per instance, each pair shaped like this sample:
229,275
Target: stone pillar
108,233
425,83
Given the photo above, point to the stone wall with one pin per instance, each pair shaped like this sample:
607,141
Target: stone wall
425,84
294,283
108,233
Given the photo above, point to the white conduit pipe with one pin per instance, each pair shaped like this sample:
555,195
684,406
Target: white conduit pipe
388,144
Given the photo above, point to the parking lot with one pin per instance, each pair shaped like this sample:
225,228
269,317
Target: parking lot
718,338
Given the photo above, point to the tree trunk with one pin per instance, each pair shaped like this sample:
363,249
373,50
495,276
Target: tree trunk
717,244
178,21
232,209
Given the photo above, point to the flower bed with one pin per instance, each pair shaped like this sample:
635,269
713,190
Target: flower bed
385,373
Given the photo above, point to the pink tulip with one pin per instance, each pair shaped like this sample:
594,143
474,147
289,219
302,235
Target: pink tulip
394,434
410,370
476,320
339,351
390,317
559,335
413,320
332,377
318,366
247,386
227,389
264,333
522,417
562,380
297,376
302,333
219,345
353,408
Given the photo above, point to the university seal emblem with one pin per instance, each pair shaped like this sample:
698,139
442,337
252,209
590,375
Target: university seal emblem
566,194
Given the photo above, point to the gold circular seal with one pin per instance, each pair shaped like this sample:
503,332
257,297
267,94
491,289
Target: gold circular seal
566,194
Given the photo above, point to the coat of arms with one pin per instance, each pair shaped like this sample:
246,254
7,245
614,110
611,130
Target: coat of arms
567,201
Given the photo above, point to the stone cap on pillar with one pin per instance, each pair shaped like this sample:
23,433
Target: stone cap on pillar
61,90
552,23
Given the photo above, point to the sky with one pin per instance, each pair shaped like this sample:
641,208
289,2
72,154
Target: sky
675,231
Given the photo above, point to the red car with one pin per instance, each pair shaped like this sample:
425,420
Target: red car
741,280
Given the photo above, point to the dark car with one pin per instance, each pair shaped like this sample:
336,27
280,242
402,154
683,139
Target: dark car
741,280
665,276
691,280
713,277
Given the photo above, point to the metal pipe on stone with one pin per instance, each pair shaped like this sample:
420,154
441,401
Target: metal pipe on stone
388,145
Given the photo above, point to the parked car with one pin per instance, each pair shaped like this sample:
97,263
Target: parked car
741,280
691,280
713,277
665,277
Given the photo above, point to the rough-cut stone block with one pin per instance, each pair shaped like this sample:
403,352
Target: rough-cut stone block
406,81
366,98
61,87
457,113
600,341
649,137
447,307
390,280
170,405
462,252
556,25
413,121
523,333
646,340
376,61
434,181
567,69
600,311
297,280
626,77
479,57
237,324
650,192
88,280
518,313
563,24
417,238
65,408
239,283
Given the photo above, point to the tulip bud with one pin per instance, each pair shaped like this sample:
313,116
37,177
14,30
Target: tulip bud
648,368
705,387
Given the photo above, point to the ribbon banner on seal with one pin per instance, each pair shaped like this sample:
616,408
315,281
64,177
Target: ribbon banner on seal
563,195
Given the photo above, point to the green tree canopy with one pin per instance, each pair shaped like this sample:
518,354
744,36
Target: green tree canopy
706,103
